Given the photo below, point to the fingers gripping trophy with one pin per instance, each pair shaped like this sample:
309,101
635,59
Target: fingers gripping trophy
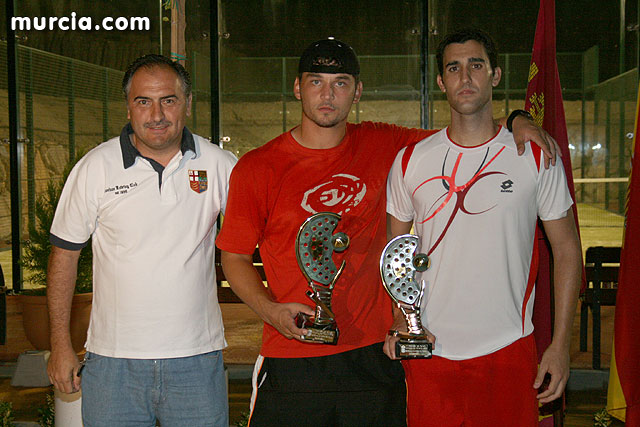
315,245
399,263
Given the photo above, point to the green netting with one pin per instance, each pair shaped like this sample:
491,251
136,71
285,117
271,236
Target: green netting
68,106
604,155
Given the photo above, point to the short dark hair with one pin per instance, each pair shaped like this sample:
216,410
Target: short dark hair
154,60
465,35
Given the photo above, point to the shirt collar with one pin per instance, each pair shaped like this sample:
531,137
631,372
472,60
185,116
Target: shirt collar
130,152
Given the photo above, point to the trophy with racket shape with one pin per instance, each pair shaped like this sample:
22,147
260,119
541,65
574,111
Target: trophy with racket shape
315,245
399,263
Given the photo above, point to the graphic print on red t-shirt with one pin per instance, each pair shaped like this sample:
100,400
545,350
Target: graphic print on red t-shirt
340,194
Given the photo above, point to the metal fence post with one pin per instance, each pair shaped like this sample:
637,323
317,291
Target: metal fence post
105,106
424,65
31,149
14,147
71,113
194,91
284,94
506,83
583,129
214,96
622,188
607,158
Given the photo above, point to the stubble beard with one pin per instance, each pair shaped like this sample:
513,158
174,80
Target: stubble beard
320,120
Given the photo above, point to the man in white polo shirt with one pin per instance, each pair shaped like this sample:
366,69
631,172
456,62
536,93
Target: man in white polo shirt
474,204
149,200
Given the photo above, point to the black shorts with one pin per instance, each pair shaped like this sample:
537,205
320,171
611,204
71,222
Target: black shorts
361,387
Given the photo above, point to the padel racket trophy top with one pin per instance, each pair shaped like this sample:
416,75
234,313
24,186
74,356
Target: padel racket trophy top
315,245
399,263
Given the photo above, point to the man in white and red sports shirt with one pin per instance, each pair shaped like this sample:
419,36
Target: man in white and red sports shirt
323,165
474,204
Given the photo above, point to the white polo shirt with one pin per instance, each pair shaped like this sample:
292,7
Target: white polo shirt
153,231
475,210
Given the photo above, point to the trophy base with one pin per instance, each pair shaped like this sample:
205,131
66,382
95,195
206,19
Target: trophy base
318,333
414,348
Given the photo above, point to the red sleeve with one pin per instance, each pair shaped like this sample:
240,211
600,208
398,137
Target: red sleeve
245,215
407,136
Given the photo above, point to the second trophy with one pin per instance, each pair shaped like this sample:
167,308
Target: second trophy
315,245
399,263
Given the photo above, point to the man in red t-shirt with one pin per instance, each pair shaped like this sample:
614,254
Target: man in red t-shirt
324,164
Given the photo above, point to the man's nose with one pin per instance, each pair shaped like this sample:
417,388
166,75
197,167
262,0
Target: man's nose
157,113
466,74
327,92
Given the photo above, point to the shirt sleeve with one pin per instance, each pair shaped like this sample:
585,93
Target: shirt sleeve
245,215
224,169
77,210
554,198
407,136
398,198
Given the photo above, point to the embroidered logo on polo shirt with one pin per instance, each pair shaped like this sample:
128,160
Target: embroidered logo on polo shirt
338,195
198,181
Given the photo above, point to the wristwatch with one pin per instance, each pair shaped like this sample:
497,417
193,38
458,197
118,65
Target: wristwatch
514,114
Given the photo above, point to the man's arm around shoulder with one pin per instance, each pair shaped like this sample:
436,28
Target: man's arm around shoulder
61,281
567,274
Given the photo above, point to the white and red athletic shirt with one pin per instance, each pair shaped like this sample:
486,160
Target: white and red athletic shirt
475,210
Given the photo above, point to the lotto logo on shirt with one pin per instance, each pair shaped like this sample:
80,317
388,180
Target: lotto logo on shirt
198,181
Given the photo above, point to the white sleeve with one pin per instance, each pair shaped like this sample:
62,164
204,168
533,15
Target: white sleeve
554,198
77,211
225,166
398,198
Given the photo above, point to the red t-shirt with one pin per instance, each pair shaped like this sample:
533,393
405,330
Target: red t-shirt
276,187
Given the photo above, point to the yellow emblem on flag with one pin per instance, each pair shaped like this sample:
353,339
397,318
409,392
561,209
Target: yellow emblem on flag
537,108
533,71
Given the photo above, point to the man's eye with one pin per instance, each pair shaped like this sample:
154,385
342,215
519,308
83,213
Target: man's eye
476,66
315,82
169,101
143,102
453,69
341,84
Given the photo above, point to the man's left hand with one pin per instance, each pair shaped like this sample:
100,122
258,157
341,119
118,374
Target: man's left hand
555,362
525,130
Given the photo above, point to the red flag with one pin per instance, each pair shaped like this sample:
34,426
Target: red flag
544,102
627,318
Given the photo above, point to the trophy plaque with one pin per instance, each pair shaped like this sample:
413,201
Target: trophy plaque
315,245
399,263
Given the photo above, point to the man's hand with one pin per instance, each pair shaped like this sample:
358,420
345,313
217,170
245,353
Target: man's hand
525,130
555,362
400,325
390,341
282,317
62,369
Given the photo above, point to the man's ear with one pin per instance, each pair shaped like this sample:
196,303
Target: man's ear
296,88
440,83
497,75
358,94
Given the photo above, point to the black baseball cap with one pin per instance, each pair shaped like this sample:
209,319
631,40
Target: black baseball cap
329,56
